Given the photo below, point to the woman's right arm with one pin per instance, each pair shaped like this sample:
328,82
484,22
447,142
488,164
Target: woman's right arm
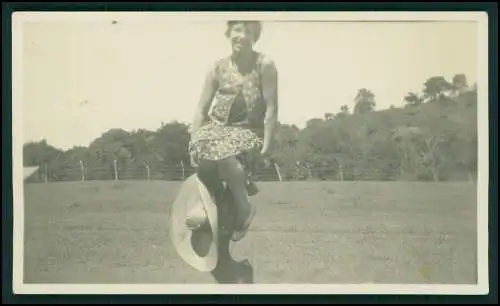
207,94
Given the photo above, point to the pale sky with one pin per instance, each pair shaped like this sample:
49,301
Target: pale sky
138,73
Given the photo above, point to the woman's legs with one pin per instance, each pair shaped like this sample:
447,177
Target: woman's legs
232,172
209,175
227,270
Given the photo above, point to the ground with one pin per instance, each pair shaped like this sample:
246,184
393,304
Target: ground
304,232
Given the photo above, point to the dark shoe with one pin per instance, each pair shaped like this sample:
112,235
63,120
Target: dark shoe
244,273
234,273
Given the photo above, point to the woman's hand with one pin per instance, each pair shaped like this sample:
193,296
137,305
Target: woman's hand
193,156
264,155
264,152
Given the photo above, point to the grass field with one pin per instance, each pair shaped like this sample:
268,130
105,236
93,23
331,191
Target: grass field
304,232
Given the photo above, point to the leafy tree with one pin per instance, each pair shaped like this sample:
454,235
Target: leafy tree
364,101
459,83
329,116
412,99
436,87
344,111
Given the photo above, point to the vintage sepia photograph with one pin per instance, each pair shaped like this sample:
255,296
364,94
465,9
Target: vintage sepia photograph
250,152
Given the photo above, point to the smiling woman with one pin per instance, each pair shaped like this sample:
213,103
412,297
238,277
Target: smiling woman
232,132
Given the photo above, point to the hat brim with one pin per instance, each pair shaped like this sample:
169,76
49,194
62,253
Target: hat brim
199,247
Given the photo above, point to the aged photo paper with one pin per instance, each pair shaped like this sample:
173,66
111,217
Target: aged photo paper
350,150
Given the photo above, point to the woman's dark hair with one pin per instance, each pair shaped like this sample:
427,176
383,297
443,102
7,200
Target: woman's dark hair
257,24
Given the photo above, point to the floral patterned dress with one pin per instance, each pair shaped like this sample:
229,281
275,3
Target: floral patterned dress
236,115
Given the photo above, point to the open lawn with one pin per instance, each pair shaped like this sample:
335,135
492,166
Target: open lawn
304,232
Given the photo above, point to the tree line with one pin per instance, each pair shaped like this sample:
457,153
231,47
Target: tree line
431,137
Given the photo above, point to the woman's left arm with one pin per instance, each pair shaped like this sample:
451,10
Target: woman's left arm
270,95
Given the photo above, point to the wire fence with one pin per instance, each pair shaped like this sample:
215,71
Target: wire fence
115,171
79,171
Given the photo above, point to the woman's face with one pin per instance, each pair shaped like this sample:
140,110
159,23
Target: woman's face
242,37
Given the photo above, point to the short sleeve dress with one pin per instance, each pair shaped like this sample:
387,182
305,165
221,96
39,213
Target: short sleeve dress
236,114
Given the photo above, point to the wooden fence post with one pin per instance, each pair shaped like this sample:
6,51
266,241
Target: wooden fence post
183,171
82,170
116,169
46,172
148,170
277,167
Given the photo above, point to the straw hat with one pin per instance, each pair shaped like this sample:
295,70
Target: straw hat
194,225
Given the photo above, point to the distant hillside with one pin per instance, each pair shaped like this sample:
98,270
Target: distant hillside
436,140
432,138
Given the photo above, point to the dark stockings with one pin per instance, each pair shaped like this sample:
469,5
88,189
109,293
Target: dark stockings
228,270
